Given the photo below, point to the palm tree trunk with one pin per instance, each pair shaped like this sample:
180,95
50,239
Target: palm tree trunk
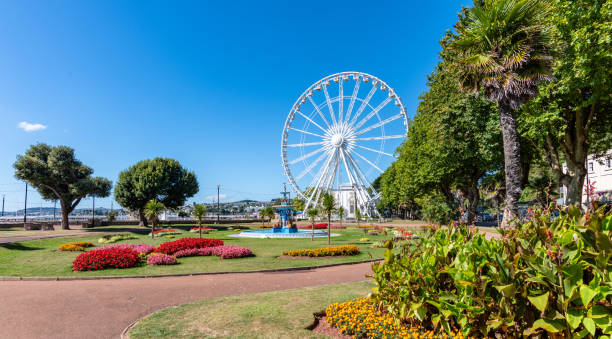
312,238
200,227
329,229
512,162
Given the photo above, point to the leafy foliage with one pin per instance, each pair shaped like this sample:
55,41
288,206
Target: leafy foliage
162,179
57,174
549,275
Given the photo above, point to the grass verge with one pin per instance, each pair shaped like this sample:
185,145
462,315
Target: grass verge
281,314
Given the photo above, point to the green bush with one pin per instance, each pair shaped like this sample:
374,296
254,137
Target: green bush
435,209
548,277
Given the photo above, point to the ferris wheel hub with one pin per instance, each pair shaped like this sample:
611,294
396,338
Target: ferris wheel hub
337,140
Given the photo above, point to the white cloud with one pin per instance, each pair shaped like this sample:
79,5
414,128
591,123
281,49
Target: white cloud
28,127
214,197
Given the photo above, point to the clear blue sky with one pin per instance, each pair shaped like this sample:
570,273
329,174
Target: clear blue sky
207,83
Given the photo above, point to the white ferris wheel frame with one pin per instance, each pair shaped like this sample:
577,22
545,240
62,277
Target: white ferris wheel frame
339,142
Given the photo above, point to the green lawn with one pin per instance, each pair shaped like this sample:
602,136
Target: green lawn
41,258
283,314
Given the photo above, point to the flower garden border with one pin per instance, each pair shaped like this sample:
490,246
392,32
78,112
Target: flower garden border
286,269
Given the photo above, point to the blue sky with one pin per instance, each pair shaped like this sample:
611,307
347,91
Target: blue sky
207,83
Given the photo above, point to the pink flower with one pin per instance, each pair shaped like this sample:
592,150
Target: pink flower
161,259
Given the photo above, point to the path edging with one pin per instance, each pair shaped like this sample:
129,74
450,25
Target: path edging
286,269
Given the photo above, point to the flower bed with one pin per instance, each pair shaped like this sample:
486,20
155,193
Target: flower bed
161,259
320,226
75,246
185,243
360,318
204,229
224,252
164,232
139,248
111,238
344,250
102,258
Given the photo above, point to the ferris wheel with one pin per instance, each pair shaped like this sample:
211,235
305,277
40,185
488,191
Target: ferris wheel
340,135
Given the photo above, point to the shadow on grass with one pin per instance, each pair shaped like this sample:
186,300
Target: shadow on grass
19,247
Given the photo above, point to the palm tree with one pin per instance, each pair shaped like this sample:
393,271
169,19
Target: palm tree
312,214
340,214
152,210
329,207
266,212
199,210
357,215
504,51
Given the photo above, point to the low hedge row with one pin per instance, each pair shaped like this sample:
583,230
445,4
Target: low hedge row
344,250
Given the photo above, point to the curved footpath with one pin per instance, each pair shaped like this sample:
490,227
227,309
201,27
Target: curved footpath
104,308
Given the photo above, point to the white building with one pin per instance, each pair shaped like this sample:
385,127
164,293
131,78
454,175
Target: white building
599,174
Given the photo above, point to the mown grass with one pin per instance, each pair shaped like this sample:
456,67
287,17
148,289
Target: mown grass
41,258
281,314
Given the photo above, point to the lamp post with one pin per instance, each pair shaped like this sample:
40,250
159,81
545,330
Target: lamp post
218,204
25,205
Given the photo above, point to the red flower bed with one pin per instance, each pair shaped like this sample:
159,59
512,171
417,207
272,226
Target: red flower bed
185,243
319,226
102,258
166,231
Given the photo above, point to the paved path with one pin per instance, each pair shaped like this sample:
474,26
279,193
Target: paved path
8,240
104,308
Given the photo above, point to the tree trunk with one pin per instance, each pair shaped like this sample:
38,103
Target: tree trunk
473,198
329,229
312,238
143,220
574,184
65,212
512,163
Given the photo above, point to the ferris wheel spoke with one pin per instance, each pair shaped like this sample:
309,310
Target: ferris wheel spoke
363,105
312,121
307,144
319,111
379,124
306,132
374,111
352,103
361,173
318,178
373,150
304,157
368,161
341,102
329,104
384,137
356,181
348,173
311,166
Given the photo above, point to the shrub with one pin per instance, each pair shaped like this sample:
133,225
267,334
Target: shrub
435,209
364,240
548,277
194,252
325,251
185,243
111,238
75,246
161,259
361,319
102,258
205,230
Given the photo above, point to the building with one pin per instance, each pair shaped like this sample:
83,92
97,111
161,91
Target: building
599,174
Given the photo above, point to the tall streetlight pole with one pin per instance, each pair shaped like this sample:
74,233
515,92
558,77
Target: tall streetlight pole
25,205
54,207
218,203
93,210
3,204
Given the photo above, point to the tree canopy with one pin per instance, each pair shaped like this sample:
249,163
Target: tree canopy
160,179
56,173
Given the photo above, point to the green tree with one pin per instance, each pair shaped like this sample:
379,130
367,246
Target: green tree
267,212
199,210
161,179
505,53
312,214
152,209
57,174
341,213
357,214
571,117
299,204
328,206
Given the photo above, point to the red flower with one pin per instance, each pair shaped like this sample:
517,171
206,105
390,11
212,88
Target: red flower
185,243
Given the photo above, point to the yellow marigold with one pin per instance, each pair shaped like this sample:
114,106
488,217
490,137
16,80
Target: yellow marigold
325,251
75,246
